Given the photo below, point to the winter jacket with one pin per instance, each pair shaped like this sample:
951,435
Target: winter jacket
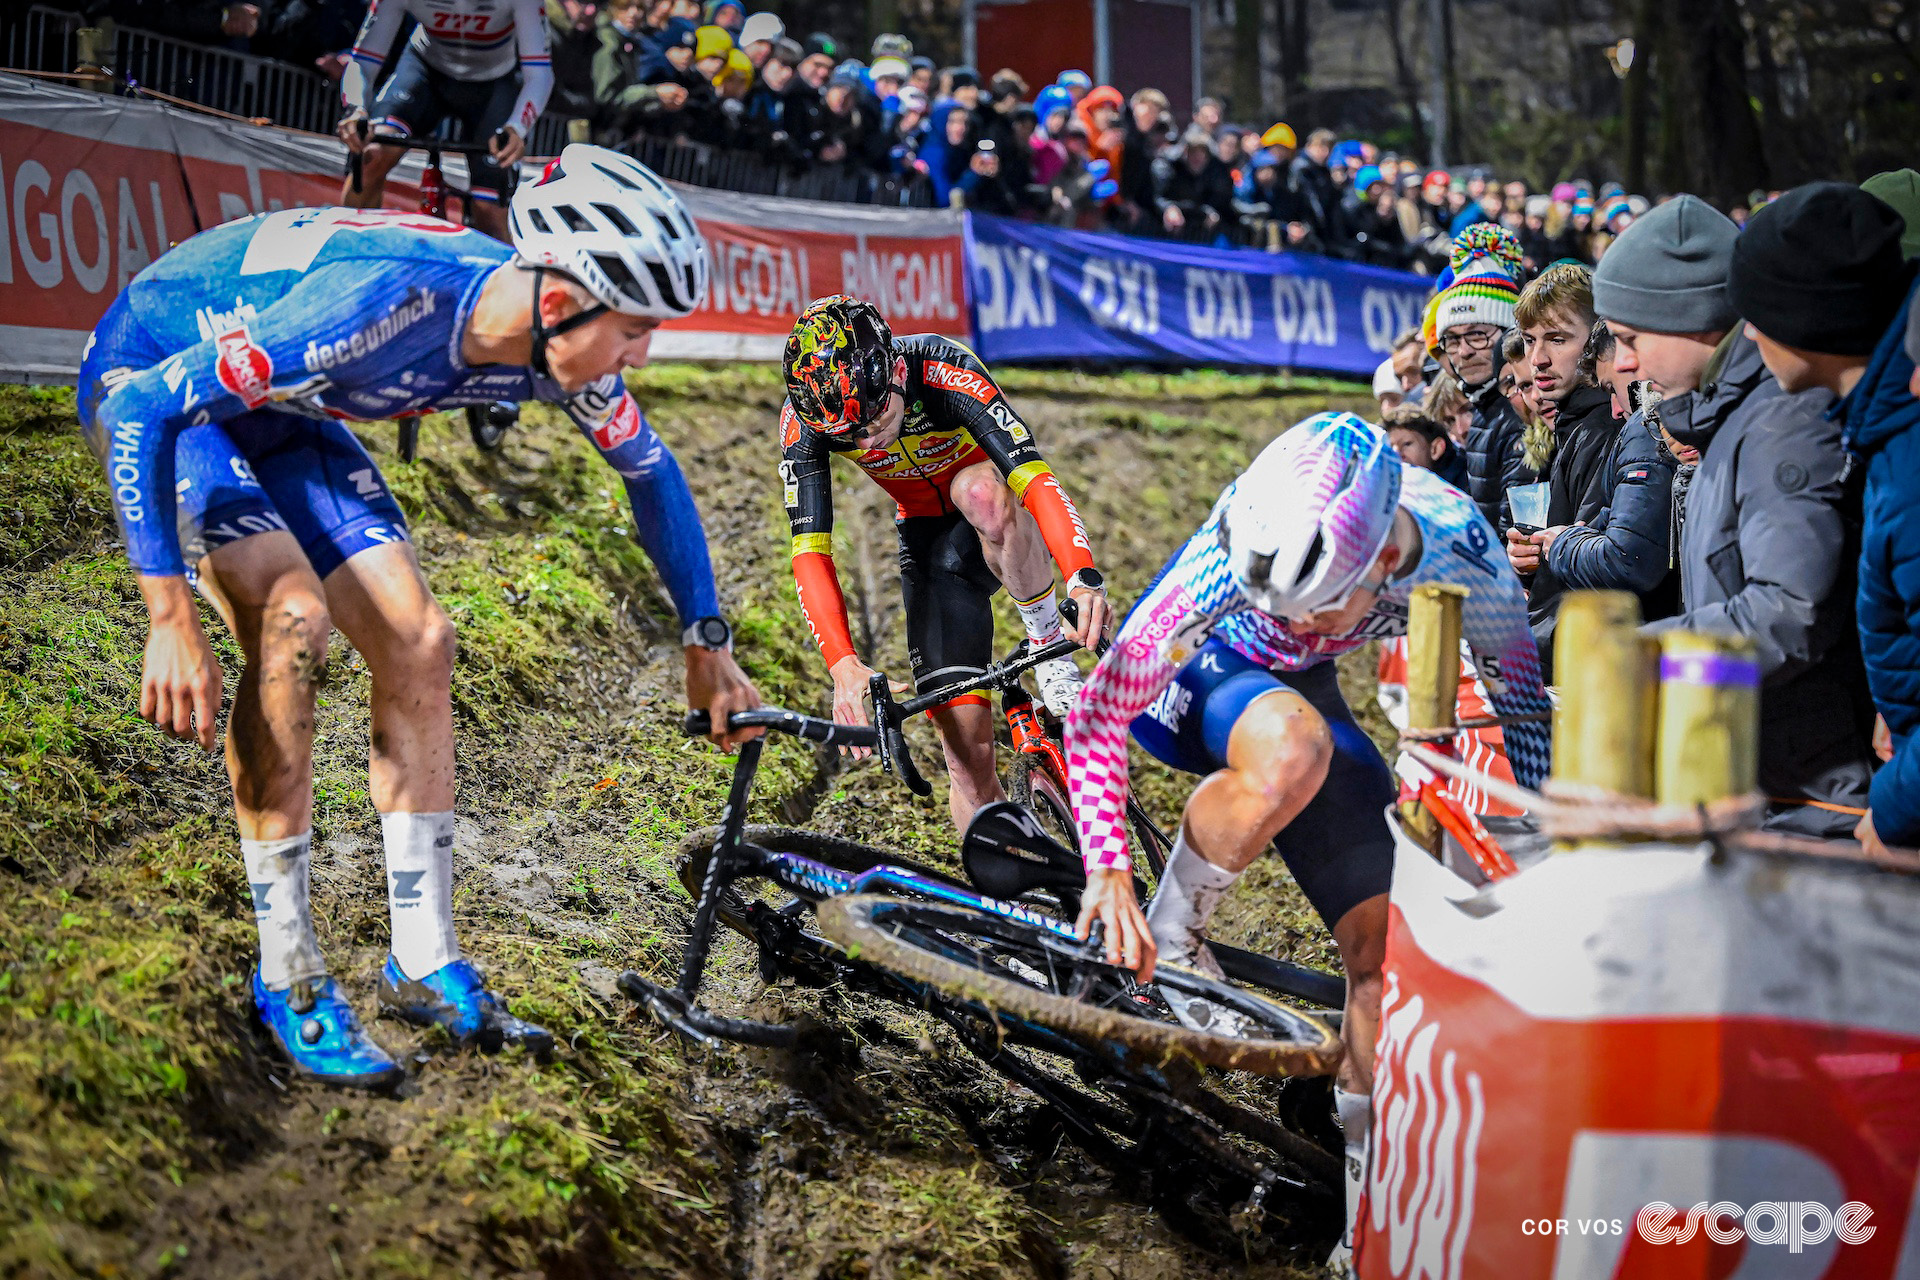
1312,182
1768,551
1628,544
1494,455
1584,430
1883,431
1452,468
1194,193
621,101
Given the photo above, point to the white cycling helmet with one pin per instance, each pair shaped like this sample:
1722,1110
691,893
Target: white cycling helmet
1308,518
607,221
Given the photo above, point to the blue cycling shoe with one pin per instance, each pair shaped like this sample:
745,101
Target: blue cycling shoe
317,1029
454,996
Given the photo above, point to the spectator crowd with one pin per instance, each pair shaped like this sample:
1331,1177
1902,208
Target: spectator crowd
1720,419
906,130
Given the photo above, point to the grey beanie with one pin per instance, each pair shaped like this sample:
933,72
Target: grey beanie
1668,271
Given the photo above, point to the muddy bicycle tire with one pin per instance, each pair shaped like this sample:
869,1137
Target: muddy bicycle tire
864,926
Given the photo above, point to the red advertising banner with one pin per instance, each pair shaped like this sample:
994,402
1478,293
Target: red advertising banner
93,188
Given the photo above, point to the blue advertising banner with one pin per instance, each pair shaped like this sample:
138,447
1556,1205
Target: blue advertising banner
1041,293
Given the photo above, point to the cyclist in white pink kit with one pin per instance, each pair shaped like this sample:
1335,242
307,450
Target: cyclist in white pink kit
1224,669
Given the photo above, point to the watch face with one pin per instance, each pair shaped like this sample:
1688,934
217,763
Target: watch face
713,632
1091,578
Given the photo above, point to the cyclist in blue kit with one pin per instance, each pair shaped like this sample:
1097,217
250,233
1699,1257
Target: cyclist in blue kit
214,390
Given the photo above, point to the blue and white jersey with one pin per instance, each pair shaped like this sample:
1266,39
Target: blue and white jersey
332,314
1197,597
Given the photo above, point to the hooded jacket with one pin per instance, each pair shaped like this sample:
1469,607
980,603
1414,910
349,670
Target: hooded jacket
945,162
1628,544
1881,419
1768,552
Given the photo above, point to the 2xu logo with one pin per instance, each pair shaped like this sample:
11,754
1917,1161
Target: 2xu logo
243,365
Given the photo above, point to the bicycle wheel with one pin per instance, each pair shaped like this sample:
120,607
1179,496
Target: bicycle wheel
1007,966
1032,786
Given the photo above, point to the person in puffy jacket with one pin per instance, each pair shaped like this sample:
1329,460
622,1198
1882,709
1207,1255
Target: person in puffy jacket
1829,299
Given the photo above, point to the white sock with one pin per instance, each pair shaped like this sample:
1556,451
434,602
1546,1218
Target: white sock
420,890
1189,890
1041,616
1355,1113
277,872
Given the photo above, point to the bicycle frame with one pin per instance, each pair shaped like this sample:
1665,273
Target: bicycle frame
734,858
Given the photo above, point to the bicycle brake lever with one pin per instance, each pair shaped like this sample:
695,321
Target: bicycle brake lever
895,758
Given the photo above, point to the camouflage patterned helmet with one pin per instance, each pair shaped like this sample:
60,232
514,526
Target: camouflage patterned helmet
839,367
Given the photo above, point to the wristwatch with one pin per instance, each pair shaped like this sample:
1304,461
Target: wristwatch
707,633
1091,579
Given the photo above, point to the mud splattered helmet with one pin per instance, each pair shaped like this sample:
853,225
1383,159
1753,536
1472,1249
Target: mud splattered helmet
839,367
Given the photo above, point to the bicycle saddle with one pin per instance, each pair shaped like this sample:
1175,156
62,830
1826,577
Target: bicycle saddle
1007,855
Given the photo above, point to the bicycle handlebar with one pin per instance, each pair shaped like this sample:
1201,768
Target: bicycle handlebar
698,724
433,144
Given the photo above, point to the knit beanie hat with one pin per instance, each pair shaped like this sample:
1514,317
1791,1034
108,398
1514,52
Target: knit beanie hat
1820,269
1901,189
1488,239
1482,292
1667,273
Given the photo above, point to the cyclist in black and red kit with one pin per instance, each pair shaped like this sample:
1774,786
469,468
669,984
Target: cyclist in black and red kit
978,509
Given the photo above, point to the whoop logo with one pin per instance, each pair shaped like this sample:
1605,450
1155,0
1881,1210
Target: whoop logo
243,365
1798,1224
949,377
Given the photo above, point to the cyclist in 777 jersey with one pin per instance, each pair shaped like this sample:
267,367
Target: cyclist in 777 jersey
1224,668
484,62
213,392
978,508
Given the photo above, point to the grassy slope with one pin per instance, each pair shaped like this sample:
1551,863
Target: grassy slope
145,1128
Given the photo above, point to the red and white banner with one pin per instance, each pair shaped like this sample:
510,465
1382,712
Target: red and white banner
1648,1062
771,257
92,188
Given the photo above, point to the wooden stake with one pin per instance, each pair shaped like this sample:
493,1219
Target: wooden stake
1603,727
1433,682
1709,744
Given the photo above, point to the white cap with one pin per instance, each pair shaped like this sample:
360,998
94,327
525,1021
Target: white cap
1385,381
895,67
762,26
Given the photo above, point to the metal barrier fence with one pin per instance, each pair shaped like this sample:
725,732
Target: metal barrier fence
43,39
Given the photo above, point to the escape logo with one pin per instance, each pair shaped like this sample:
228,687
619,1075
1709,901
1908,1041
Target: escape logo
1798,1224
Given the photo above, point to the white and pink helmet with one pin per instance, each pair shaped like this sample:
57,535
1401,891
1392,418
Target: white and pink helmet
1307,519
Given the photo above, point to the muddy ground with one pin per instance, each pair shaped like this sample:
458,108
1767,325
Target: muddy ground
146,1128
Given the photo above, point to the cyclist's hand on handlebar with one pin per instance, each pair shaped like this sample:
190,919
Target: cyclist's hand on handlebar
717,685
1109,899
507,147
1096,616
353,131
850,676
